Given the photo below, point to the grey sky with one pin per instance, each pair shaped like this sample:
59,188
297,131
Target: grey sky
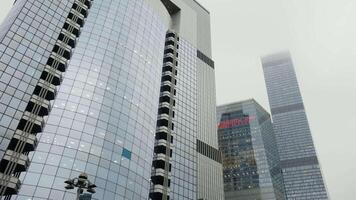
321,35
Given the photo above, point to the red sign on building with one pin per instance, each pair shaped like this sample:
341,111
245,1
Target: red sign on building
235,122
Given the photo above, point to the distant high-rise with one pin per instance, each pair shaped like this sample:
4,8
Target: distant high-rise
123,90
249,154
301,169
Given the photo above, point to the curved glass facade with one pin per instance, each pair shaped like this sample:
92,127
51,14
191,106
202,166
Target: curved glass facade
24,49
80,92
102,121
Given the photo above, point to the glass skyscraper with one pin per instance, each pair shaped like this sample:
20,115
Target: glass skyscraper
301,169
249,154
121,90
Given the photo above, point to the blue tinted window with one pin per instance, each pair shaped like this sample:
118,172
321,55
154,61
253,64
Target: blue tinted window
126,153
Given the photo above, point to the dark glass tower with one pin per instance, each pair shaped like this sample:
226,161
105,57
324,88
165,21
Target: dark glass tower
110,88
250,157
301,169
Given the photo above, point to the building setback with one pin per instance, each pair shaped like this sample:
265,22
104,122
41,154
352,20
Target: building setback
122,90
301,169
250,158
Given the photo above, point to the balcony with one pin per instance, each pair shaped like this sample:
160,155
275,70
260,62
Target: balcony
12,187
21,160
30,141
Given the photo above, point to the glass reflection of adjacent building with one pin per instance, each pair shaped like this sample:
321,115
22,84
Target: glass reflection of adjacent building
249,154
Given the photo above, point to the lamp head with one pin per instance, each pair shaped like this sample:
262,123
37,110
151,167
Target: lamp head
83,176
69,187
91,190
69,182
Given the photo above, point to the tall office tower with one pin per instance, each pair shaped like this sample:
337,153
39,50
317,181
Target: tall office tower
121,90
250,158
301,169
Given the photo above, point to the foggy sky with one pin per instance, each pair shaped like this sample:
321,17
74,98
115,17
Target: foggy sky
321,36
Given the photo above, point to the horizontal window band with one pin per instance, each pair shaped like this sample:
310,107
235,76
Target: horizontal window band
208,151
205,59
288,108
313,160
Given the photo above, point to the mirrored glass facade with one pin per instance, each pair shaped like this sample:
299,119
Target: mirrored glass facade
301,169
81,86
184,164
103,118
27,37
250,158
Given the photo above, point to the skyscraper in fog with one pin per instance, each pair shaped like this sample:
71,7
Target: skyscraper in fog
249,154
122,90
301,169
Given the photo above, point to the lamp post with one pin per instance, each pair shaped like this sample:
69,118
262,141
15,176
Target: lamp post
81,183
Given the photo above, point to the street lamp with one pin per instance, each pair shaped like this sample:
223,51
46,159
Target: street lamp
81,182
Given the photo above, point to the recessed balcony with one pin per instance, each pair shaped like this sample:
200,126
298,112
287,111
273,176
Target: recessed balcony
13,185
21,160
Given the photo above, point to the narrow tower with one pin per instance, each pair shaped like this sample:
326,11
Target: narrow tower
301,169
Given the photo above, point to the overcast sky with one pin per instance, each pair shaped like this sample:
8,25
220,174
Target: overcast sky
321,35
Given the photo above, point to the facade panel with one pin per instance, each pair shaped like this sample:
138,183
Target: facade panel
210,185
184,164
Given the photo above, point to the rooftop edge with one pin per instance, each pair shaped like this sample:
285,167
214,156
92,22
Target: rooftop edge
201,6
